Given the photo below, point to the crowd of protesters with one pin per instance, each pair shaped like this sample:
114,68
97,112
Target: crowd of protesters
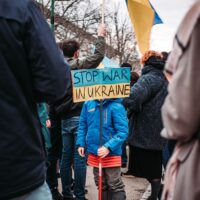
160,116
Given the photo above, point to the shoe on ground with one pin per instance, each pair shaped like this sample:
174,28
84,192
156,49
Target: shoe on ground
123,165
56,195
127,174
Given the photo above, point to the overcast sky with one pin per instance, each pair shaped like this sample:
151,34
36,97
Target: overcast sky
170,11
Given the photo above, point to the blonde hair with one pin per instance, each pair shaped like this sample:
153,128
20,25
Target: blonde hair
149,54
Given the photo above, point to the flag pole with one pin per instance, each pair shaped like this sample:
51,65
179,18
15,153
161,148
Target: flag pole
101,121
100,145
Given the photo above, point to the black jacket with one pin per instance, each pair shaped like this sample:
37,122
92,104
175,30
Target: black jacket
31,70
145,102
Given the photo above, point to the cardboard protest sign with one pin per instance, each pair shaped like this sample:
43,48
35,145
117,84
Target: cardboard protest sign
103,83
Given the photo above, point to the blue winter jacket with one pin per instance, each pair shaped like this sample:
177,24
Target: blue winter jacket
115,126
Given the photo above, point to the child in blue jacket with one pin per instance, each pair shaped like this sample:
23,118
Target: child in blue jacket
115,131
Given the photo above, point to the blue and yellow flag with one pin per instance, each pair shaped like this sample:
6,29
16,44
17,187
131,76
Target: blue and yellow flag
143,17
106,62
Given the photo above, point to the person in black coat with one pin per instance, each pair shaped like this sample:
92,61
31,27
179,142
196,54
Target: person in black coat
129,173
145,102
32,70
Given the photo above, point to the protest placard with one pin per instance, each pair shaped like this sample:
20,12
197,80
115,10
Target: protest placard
99,84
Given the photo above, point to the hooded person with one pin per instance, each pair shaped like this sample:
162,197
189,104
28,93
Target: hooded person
145,102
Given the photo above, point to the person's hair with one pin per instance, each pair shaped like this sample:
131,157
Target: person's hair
134,77
165,55
149,54
69,47
126,65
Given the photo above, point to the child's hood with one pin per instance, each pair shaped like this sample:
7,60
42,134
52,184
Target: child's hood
105,101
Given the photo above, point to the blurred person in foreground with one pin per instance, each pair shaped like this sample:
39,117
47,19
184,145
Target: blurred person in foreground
32,70
181,111
145,102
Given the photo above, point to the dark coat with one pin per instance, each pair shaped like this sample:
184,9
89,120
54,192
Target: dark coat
145,102
31,70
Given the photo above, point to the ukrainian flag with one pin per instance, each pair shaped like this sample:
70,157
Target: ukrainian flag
108,63
143,17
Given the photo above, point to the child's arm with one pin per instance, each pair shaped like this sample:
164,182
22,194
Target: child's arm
120,123
82,131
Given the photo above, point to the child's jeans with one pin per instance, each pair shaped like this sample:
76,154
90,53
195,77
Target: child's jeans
112,185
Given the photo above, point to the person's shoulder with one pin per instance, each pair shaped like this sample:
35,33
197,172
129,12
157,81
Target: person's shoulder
32,6
21,4
73,63
100,39
152,77
29,2
22,10
15,9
